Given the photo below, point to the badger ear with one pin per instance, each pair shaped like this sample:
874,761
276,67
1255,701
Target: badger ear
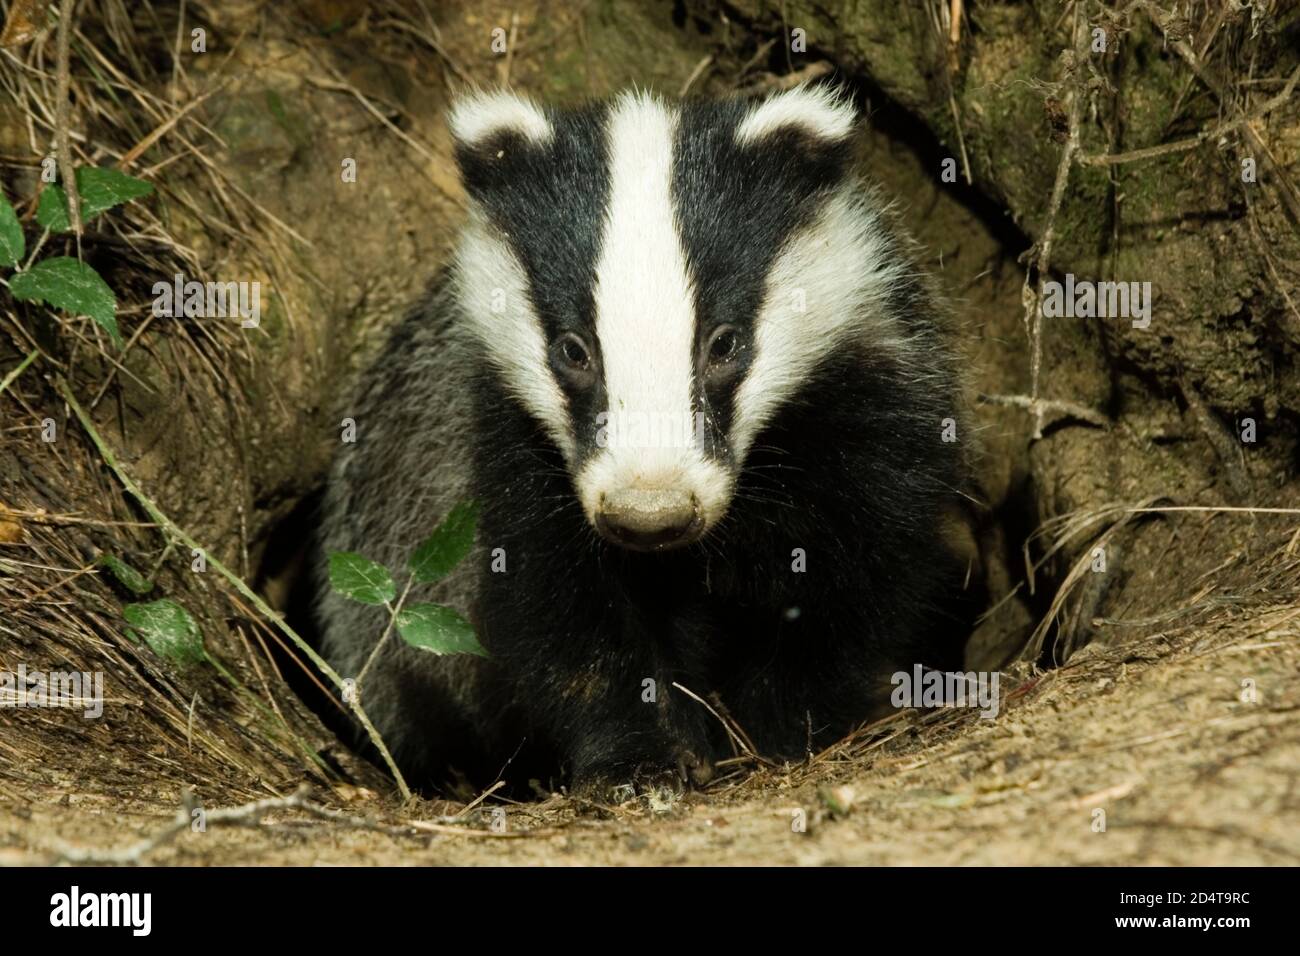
824,113
482,116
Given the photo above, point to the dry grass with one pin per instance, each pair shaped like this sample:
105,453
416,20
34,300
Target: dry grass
60,505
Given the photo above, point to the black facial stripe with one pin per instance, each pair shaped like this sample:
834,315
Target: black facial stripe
736,205
548,200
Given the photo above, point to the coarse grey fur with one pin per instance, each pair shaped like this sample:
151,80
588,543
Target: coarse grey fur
371,505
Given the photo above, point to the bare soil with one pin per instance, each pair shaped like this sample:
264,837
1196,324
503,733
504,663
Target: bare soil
1156,739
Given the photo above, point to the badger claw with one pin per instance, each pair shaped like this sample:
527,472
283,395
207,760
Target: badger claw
645,780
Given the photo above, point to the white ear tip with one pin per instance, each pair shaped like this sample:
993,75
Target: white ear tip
820,111
479,115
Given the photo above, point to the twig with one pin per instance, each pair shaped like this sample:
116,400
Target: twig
1225,448
749,64
738,737
1040,405
1215,509
8,379
245,815
134,153
66,10
434,44
443,828
735,739
393,611
961,137
954,65
1029,297
1150,152
790,80
481,797
176,55
178,534
695,75
249,814
510,49
1034,311
1287,190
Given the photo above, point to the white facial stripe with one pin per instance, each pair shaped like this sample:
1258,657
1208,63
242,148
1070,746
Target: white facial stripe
480,114
826,287
493,291
645,314
645,308
821,111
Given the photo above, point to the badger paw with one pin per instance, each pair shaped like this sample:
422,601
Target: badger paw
654,781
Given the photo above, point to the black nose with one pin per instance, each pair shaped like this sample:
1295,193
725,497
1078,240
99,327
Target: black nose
649,520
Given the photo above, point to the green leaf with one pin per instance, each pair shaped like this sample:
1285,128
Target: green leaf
168,629
52,209
361,579
99,188
12,243
64,283
438,630
447,546
127,576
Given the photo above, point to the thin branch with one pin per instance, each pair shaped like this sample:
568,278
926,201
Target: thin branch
393,611
1038,406
8,379
696,73
1287,190
178,534
245,815
1162,149
66,10
1043,263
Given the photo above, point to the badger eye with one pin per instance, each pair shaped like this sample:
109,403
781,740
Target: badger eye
723,344
573,359
574,352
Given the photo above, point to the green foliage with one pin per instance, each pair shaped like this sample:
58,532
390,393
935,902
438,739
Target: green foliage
448,546
12,243
99,189
168,629
430,627
438,629
64,283
357,577
127,576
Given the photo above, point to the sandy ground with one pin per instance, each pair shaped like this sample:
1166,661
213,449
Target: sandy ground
1154,742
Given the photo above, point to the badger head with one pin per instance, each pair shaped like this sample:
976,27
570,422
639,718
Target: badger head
653,282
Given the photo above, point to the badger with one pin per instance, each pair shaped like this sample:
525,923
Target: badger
685,365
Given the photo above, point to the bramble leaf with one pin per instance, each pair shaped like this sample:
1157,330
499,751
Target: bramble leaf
447,546
99,188
12,243
168,629
127,576
438,630
357,577
68,285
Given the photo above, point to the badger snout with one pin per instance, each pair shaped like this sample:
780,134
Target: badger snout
649,519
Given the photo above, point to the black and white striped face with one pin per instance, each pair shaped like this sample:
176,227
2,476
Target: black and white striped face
653,282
